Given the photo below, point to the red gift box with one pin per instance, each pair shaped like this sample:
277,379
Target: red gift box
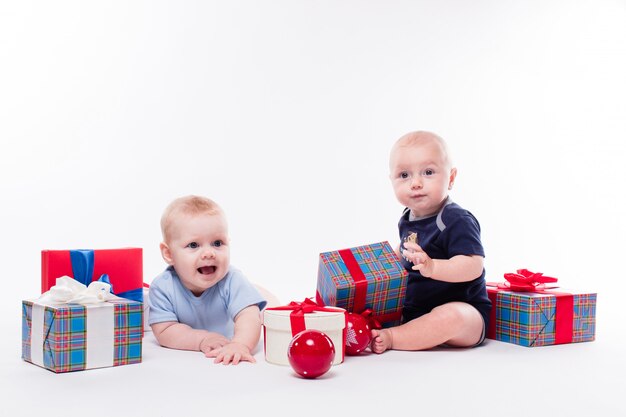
124,268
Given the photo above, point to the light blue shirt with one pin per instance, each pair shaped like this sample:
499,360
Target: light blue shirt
214,310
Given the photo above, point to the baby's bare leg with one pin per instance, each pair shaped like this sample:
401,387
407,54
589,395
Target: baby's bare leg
457,324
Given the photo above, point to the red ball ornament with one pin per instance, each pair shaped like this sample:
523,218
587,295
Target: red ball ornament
358,335
311,353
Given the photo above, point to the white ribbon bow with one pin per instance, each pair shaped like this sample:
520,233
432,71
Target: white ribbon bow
67,290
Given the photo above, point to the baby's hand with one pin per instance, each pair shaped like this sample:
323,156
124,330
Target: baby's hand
232,353
420,259
212,342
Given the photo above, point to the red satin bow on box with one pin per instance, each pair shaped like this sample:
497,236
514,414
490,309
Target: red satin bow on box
299,309
526,281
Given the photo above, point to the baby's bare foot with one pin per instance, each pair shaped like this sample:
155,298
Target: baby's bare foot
382,340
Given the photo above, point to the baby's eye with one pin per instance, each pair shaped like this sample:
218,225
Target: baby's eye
193,245
428,172
404,175
217,243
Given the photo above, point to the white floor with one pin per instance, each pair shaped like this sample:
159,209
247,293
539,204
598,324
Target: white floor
497,379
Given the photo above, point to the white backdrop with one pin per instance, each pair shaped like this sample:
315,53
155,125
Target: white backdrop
284,113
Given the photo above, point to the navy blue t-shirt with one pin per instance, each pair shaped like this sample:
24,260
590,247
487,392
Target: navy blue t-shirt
453,231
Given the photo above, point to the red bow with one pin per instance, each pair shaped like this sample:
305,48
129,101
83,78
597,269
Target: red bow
299,309
307,306
368,315
526,281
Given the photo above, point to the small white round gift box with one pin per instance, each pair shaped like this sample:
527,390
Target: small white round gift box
277,331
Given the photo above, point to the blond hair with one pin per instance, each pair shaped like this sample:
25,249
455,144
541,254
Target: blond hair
420,137
191,205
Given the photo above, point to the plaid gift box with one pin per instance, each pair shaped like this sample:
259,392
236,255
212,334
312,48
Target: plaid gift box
368,277
122,268
65,337
535,314
281,324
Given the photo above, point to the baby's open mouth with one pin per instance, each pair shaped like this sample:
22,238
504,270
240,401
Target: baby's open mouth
206,270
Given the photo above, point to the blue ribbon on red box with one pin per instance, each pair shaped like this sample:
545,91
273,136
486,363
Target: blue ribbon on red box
83,266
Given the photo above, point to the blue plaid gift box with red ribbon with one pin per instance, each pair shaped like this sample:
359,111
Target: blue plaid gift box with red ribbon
122,268
529,310
367,278
68,336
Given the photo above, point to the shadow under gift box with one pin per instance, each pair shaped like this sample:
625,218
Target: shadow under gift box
75,337
368,277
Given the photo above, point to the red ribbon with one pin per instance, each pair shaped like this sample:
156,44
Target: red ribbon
299,309
527,281
360,282
371,320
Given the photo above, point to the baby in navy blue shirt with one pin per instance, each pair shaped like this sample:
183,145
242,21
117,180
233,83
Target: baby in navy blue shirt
446,300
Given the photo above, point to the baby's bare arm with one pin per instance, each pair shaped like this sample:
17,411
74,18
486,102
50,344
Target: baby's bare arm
247,333
460,268
176,335
248,327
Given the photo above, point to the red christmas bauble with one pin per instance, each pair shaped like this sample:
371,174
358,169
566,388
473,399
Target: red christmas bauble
311,353
358,334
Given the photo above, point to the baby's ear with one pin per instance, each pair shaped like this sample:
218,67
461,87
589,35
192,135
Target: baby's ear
452,178
166,253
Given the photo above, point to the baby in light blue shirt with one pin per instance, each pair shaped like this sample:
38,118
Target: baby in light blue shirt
201,302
